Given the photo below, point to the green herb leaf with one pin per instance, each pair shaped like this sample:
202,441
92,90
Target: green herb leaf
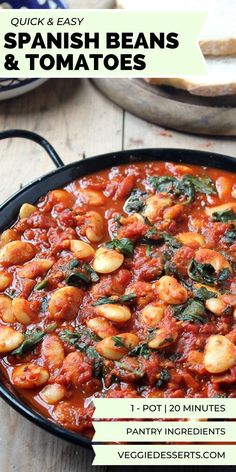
70,337
73,264
203,294
41,285
193,311
125,367
163,379
163,183
171,240
205,273
31,339
186,187
224,216
230,236
149,250
118,341
140,350
202,184
51,327
115,299
77,279
93,275
177,188
224,275
80,341
124,245
135,202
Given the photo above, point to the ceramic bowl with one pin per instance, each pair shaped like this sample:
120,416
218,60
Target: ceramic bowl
10,88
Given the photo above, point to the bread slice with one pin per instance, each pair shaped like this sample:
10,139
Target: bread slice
218,36
220,80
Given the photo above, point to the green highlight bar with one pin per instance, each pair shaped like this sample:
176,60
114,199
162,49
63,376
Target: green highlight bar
158,455
100,43
164,431
165,408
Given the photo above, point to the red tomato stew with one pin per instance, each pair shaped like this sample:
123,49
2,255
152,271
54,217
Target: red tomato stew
122,284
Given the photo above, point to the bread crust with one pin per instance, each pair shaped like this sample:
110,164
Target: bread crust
204,90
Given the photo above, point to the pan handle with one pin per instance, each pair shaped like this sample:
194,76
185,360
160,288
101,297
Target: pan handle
21,133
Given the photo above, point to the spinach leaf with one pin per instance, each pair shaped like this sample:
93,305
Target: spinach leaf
80,341
78,279
73,264
93,275
118,341
230,236
192,311
177,188
83,334
135,202
152,237
224,216
186,187
223,275
41,285
163,379
31,339
115,299
149,250
163,183
125,367
124,245
205,273
203,294
202,184
140,350
171,240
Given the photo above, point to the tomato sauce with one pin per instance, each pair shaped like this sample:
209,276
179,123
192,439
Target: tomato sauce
122,284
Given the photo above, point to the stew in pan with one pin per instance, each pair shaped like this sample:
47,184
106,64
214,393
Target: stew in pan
121,284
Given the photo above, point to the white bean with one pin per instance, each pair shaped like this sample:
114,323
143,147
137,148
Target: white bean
81,249
101,327
65,303
115,347
53,393
53,351
113,312
26,210
216,306
161,339
107,260
152,314
10,339
29,376
33,269
6,310
190,238
5,280
220,354
22,311
170,290
16,252
216,259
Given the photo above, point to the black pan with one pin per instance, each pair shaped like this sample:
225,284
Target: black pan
60,177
